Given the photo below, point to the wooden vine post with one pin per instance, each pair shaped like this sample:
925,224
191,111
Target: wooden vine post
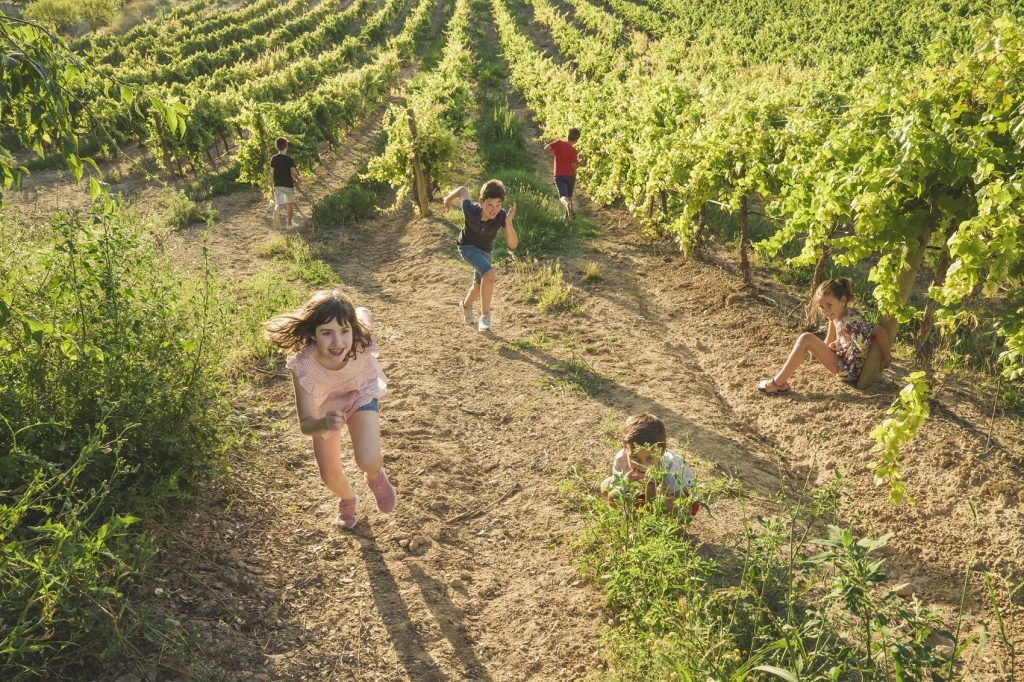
923,344
701,232
744,240
913,257
165,150
420,184
262,142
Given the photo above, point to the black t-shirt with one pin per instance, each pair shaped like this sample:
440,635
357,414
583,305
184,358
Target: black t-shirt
478,232
282,165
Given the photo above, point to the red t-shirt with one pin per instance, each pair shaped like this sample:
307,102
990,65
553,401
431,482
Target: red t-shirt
565,158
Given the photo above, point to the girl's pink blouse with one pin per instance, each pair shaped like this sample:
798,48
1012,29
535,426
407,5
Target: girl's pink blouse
340,390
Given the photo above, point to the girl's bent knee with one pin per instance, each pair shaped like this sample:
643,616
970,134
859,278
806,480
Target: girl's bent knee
805,338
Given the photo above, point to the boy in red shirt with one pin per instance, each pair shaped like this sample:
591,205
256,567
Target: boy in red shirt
566,163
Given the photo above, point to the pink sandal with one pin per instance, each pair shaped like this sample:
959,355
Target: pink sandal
769,387
346,513
383,492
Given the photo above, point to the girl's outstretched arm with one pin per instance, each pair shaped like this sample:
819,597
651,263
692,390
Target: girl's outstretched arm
880,335
308,424
461,192
510,231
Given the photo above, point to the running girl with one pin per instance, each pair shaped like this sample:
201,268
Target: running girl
338,380
845,346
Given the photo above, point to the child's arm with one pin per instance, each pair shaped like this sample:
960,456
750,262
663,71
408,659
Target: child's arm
831,338
295,175
366,317
880,335
510,231
461,192
308,424
550,147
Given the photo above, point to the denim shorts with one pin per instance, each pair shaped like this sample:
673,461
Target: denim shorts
371,406
478,258
565,184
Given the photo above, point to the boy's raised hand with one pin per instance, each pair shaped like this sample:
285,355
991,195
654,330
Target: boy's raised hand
511,211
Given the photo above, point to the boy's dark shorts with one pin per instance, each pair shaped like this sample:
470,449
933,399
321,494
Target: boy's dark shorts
565,184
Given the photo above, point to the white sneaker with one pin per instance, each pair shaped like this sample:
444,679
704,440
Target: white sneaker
485,323
468,316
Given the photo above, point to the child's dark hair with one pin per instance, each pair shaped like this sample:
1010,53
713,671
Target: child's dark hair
644,429
574,134
294,331
839,289
281,144
493,189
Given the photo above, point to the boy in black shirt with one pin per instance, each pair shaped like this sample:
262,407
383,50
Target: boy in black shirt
483,220
286,179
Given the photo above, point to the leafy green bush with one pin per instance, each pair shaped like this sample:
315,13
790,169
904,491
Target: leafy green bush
215,184
64,15
111,404
60,14
355,201
180,211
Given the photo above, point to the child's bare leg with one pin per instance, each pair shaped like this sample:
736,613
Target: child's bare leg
486,290
471,295
290,209
804,343
328,458
364,428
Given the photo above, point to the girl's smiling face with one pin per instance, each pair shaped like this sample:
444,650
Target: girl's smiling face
831,307
332,342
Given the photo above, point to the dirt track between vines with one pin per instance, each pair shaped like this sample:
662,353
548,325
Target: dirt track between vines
478,435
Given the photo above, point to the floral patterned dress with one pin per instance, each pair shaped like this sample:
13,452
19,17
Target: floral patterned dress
853,333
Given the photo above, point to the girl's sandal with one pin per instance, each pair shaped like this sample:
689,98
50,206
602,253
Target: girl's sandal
769,387
346,513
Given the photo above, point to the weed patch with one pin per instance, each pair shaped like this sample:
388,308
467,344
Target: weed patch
301,264
787,602
179,211
545,287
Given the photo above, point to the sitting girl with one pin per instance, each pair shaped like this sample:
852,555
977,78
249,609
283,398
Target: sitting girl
337,380
845,346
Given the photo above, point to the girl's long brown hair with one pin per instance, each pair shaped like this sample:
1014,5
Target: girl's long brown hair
294,330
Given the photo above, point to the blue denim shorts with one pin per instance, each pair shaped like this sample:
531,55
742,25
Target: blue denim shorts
371,406
478,258
565,184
